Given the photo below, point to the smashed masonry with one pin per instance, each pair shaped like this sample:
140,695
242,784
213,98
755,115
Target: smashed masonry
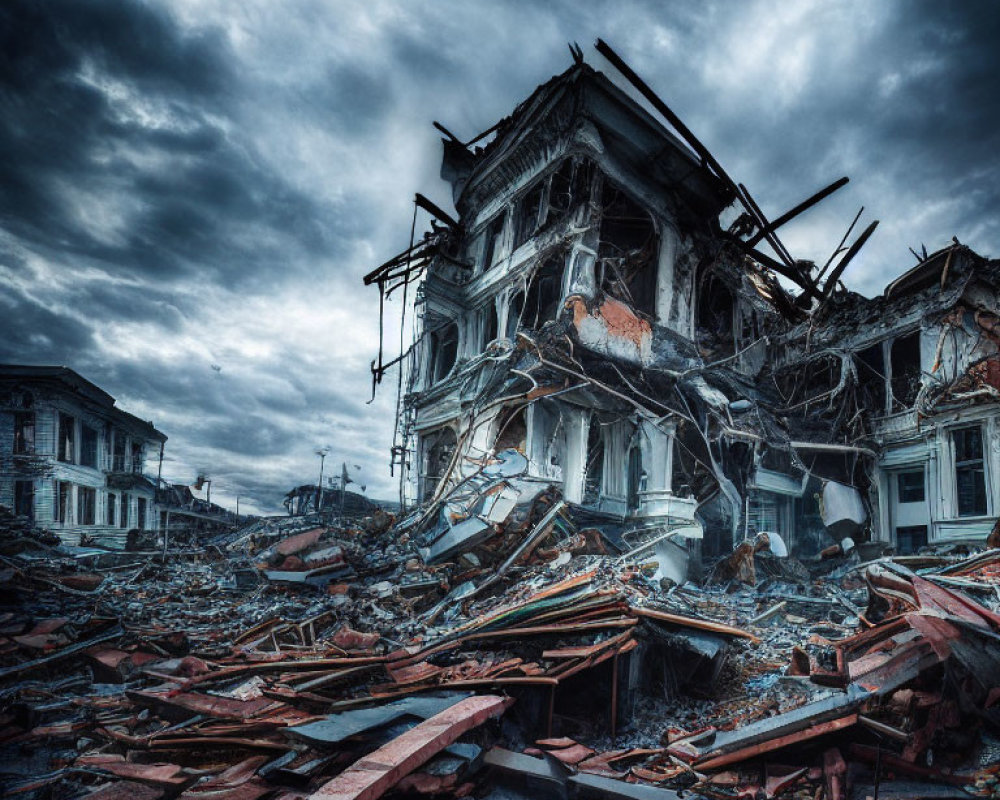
296,660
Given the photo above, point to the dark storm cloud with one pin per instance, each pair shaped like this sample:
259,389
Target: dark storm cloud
191,191
118,102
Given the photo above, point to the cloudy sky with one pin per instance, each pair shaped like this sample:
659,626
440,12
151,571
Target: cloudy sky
190,191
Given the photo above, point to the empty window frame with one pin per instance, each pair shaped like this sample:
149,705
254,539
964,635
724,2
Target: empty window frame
86,505
871,378
118,459
24,432
910,486
112,503
970,471
492,237
66,446
444,351
24,499
88,446
568,187
904,357
136,463
140,517
514,314
594,474
716,318
123,512
60,500
491,323
628,251
439,449
541,304
527,213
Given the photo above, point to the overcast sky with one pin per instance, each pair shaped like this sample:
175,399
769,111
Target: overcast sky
190,191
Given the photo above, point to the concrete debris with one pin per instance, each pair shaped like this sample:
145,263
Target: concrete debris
670,527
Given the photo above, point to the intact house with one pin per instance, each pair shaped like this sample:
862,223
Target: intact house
71,460
591,309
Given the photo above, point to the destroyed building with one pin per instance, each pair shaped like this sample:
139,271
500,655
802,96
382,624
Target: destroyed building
71,461
602,305
620,374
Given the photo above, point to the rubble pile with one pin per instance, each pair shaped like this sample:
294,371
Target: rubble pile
303,660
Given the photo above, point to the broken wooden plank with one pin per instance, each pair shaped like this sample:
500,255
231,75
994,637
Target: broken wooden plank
371,776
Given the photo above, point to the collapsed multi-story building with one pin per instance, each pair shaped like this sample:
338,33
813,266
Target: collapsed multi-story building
590,309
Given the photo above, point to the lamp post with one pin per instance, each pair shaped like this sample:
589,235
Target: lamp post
321,452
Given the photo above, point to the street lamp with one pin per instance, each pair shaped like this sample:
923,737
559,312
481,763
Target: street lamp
321,452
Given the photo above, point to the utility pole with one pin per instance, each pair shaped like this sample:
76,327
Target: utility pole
321,452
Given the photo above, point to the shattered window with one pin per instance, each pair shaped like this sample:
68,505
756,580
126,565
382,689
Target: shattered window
970,471
905,359
439,450
514,314
24,432
88,446
491,239
86,504
595,464
871,378
512,432
24,499
716,316
569,186
444,351
526,214
542,301
67,438
60,496
136,465
492,323
627,254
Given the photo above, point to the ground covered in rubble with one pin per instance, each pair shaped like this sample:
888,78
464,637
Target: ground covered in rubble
296,659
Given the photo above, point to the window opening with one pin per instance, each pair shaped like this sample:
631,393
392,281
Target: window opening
910,486
88,446
594,476
871,378
67,438
527,213
440,448
905,360
542,301
627,254
24,432
24,499
491,240
86,502
970,471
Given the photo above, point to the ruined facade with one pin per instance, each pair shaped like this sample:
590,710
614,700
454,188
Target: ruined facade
70,460
590,309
